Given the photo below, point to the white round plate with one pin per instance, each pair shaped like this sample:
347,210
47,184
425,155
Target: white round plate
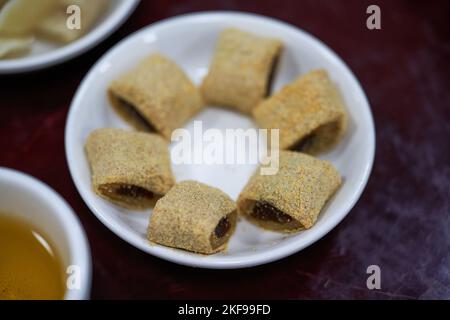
189,40
45,55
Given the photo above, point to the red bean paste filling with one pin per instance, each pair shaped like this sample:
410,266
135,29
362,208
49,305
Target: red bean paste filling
222,227
134,112
266,212
273,68
134,192
305,143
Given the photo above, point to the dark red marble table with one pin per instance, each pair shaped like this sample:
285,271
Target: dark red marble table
402,221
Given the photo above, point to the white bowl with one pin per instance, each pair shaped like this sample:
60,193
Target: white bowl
44,55
190,41
32,201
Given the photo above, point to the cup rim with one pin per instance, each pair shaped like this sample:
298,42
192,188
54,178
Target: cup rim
80,253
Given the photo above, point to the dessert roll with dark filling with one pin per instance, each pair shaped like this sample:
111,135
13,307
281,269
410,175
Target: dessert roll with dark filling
130,169
309,113
155,96
292,199
128,195
131,113
194,217
242,70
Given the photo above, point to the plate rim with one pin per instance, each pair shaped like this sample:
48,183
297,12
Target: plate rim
102,31
199,261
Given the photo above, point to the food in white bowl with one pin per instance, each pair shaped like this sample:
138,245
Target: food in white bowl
56,21
128,167
190,41
46,43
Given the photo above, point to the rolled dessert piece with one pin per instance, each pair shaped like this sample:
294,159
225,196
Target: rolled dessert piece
155,96
309,113
194,217
130,169
292,199
241,70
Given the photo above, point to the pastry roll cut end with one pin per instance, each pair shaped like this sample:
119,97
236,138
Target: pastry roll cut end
155,96
129,112
128,195
223,231
194,217
241,70
267,216
292,199
309,112
130,169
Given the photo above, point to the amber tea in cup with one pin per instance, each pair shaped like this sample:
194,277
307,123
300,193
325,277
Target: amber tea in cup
30,267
